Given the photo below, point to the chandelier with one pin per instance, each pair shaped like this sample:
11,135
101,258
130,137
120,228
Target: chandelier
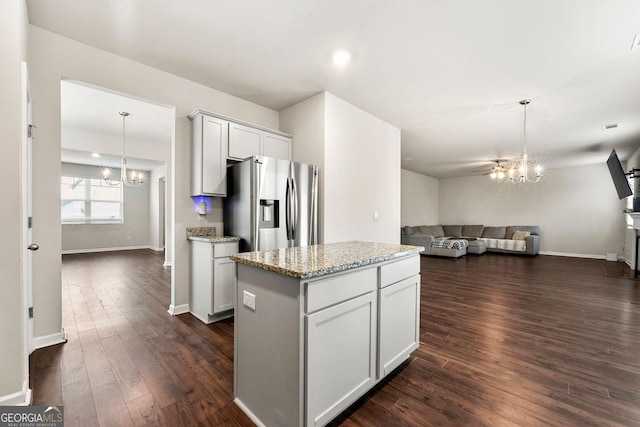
130,179
522,171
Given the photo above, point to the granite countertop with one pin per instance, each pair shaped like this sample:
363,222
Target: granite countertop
213,239
317,260
208,234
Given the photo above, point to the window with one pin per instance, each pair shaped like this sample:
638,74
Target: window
89,201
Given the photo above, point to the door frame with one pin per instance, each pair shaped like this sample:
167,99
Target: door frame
26,209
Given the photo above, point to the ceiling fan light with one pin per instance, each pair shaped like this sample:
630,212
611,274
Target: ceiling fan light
493,175
500,175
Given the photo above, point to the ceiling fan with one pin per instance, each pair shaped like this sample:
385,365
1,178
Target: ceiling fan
498,169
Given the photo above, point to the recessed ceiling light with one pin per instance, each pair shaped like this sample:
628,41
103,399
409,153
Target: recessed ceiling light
609,126
96,155
341,57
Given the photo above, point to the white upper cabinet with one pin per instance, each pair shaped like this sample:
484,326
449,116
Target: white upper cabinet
275,145
215,138
209,136
246,141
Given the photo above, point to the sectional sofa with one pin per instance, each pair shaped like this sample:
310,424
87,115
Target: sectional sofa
458,240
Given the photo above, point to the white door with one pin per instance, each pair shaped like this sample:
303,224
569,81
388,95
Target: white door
28,245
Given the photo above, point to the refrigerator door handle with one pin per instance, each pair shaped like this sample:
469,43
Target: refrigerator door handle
313,229
257,171
287,209
294,209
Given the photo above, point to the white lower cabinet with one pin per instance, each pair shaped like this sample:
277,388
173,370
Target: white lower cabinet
213,280
399,320
341,350
224,274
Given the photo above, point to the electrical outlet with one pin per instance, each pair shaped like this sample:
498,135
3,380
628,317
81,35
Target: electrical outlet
249,300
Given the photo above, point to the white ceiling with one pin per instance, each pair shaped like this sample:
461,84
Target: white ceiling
449,74
95,113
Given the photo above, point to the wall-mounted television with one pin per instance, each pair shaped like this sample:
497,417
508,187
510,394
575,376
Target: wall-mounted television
618,176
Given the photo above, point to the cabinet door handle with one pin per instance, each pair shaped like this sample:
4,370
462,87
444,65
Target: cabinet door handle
33,247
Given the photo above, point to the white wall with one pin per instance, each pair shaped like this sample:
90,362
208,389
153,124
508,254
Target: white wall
419,199
362,175
359,158
134,232
576,208
53,58
13,49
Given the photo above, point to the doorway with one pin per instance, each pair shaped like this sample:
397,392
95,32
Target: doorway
93,134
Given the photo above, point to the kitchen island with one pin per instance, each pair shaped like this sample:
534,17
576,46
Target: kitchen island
316,327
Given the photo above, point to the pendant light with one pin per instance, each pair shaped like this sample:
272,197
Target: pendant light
522,171
129,179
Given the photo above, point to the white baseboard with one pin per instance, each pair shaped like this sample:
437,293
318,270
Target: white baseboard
47,340
572,255
121,248
174,310
20,398
167,264
157,249
248,412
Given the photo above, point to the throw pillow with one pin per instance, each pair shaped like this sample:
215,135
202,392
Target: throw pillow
520,235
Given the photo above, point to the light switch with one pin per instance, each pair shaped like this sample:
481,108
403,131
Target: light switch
376,215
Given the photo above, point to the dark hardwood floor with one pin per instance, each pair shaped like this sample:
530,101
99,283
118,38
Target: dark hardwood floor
505,340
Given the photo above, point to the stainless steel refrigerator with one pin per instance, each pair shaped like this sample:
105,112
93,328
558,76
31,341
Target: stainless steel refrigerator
271,204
